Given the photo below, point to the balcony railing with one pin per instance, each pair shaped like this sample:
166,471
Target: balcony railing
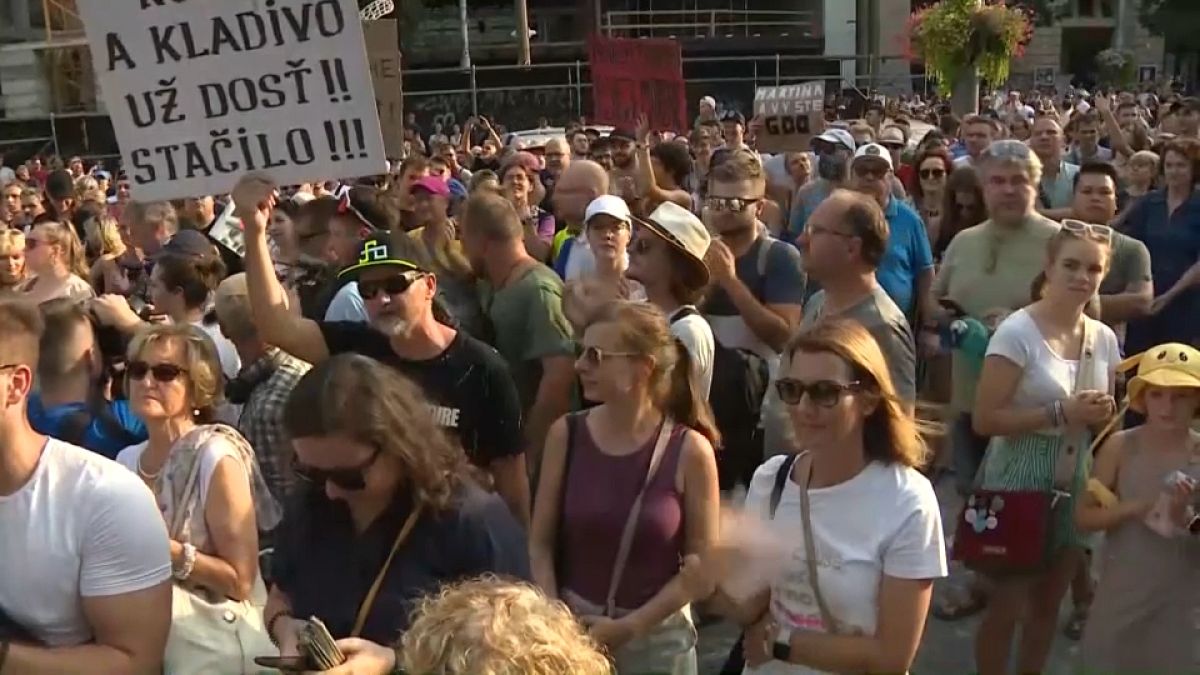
712,23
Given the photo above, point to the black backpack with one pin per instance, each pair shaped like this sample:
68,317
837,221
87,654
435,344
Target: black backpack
739,383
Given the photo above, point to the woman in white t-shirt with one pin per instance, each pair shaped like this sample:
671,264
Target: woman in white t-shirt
1033,402
205,477
872,517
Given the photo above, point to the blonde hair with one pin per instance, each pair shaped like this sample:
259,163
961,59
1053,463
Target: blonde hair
84,185
890,433
71,249
486,626
12,240
643,330
104,231
205,379
1145,157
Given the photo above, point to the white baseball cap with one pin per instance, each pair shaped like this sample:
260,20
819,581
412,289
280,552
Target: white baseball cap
873,151
610,205
838,137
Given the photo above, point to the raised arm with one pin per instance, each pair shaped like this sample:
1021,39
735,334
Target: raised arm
276,323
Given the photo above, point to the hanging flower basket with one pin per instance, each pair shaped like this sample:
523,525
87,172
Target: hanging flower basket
955,36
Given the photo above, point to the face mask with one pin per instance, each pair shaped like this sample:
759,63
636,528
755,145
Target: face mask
831,167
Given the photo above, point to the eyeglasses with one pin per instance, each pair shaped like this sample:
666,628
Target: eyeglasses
733,204
933,173
1078,228
395,285
864,171
823,393
161,372
595,356
817,230
350,478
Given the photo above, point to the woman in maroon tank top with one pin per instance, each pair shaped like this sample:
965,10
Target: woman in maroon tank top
628,488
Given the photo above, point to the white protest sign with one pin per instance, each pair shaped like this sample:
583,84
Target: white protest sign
201,91
791,114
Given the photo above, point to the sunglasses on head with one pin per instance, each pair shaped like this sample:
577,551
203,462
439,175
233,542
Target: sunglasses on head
394,285
823,393
933,173
161,372
595,356
350,478
1078,228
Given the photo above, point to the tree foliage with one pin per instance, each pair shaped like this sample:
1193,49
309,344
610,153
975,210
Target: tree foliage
1176,20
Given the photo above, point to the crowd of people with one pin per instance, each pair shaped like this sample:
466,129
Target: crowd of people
480,415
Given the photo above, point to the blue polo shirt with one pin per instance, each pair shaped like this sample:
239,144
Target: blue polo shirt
908,254
1173,240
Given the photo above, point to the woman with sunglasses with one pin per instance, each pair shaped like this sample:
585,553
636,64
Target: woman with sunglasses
56,263
1047,381
204,476
932,167
389,513
962,207
854,499
627,488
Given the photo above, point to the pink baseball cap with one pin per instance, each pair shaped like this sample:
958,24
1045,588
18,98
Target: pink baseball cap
433,185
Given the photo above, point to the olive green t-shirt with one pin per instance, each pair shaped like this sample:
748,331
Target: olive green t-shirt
527,325
986,268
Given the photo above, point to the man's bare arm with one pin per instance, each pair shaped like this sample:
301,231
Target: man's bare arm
130,632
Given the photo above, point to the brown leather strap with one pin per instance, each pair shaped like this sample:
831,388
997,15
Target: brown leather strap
635,511
1074,442
810,546
365,608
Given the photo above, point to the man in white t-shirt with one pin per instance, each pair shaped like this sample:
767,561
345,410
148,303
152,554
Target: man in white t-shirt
85,562
667,257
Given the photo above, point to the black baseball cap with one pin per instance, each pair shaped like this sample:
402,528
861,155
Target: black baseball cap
377,251
192,244
733,116
623,134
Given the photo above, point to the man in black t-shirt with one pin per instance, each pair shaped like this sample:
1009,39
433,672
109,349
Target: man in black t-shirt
471,392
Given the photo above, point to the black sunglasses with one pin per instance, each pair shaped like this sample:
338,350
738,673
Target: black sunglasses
161,372
352,478
933,173
823,393
395,285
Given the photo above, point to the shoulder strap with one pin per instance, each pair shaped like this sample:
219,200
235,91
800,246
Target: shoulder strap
183,505
683,313
365,608
781,478
764,251
635,512
810,546
1074,442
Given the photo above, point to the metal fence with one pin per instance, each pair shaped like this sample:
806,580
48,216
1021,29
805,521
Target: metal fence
519,97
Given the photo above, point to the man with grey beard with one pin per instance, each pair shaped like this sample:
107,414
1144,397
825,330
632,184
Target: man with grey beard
471,392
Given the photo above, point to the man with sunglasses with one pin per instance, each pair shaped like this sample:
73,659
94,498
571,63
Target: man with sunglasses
471,391
85,585
906,270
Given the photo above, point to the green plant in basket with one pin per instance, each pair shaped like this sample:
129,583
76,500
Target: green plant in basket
954,37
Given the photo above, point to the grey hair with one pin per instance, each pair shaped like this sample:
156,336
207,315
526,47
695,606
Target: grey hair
1012,152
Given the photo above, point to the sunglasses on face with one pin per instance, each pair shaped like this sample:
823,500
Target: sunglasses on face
161,372
351,478
822,393
392,286
1078,228
595,356
732,204
928,174
875,172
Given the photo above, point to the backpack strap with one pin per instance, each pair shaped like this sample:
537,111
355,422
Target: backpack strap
764,252
683,313
781,478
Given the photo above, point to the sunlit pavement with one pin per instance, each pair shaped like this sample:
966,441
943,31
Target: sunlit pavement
947,646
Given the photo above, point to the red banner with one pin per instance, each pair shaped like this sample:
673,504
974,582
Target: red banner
638,76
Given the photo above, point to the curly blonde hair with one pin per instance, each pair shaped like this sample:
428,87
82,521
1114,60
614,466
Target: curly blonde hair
486,626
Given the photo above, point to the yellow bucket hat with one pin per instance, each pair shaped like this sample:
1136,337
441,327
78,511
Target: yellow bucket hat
1166,365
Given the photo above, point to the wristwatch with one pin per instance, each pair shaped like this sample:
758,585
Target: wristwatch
781,649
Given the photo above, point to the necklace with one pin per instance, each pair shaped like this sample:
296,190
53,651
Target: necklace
146,475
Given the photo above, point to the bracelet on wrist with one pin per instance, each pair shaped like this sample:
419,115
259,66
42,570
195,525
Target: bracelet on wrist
188,563
282,614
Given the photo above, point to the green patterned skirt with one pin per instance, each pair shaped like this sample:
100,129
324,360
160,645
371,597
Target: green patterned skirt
1027,462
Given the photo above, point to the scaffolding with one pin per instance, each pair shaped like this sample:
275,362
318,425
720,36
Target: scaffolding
66,60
